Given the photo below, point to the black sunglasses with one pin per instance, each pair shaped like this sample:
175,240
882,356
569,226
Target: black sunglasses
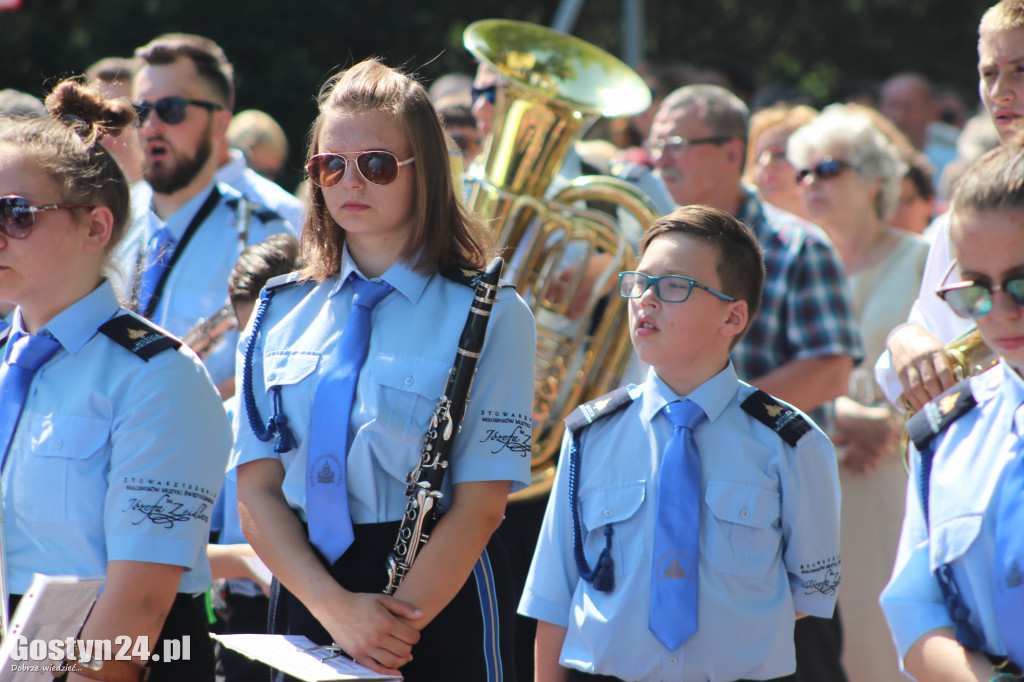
826,169
490,92
18,215
171,110
376,166
972,299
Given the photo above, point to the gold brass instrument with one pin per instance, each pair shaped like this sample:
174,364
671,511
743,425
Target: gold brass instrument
207,335
970,356
563,259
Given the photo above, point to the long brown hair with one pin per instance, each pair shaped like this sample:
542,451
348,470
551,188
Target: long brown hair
444,231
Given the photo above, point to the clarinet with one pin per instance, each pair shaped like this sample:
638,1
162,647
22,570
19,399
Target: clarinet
424,482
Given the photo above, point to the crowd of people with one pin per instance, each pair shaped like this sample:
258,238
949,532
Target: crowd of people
207,379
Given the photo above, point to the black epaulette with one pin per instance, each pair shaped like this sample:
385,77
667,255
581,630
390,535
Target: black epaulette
469,277
783,420
139,336
937,415
265,214
588,413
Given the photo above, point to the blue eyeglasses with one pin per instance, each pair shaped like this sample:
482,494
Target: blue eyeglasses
668,288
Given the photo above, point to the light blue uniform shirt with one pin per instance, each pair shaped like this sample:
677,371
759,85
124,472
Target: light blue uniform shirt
769,541
197,285
415,333
970,457
114,458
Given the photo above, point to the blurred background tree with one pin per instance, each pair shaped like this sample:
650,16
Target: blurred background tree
283,51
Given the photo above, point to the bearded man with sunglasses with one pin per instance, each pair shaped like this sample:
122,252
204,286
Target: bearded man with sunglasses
183,93
803,342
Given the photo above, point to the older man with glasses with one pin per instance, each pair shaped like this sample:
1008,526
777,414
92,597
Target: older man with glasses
803,342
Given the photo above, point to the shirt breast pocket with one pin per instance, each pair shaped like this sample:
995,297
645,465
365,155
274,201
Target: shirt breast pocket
292,373
950,539
743,534
409,390
616,506
59,477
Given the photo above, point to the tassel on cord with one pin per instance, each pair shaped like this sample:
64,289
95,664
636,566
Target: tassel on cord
279,423
604,573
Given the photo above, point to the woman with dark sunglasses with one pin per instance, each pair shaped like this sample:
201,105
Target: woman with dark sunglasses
348,359
849,174
112,436
956,596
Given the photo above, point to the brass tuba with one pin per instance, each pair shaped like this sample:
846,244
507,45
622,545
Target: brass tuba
564,255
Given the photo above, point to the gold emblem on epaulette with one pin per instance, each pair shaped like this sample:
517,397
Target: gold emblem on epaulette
136,334
601,404
773,410
468,273
948,403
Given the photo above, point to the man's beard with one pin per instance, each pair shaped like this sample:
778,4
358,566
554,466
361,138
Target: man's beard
165,180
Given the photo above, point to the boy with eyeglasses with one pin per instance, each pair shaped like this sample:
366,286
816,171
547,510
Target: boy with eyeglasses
685,547
955,601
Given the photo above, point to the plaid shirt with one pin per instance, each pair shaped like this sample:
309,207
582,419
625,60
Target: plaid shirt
805,309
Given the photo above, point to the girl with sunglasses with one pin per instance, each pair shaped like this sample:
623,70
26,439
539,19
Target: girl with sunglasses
112,436
320,501
956,596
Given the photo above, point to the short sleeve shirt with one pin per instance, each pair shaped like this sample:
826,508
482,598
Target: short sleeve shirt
769,541
114,457
412,346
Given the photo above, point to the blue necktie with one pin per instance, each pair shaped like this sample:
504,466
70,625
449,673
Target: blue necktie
1009,556
673,607
24,355
158,257
330,523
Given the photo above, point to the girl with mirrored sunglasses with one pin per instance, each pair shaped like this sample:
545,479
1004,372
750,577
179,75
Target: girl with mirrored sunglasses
956,595
386,216
112,437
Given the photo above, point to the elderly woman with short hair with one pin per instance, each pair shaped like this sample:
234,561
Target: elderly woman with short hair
850,176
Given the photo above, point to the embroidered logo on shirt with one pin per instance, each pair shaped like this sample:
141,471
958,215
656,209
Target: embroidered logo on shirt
675,566
773,410
138,336
601,404
326,471
1014,578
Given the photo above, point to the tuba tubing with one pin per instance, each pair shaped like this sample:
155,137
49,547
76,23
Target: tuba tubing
557,85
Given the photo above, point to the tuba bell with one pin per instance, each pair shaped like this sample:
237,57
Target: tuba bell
563,246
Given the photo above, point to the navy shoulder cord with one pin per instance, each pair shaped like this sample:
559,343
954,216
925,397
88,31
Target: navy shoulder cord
958,611
278,423
603,574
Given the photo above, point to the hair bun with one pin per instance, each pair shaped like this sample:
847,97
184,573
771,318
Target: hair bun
87,112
